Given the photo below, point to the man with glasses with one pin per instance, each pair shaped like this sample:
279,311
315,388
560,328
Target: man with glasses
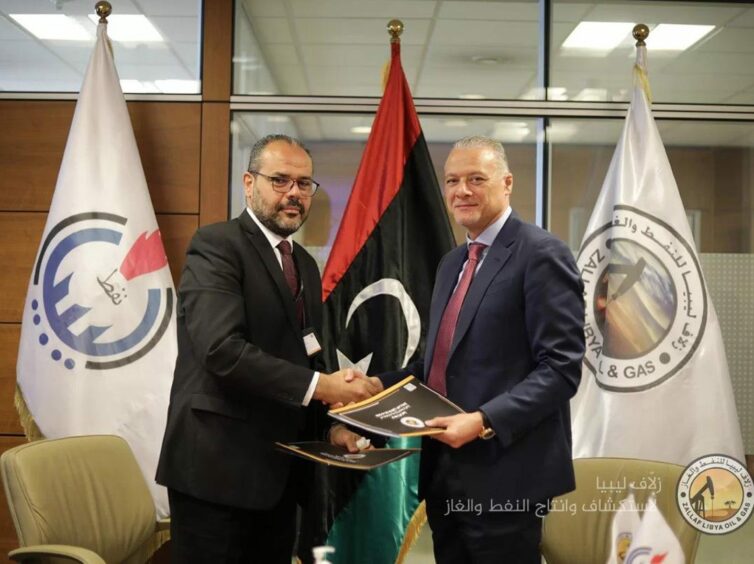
248,372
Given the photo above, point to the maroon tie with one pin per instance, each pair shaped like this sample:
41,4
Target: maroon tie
291,277
449,319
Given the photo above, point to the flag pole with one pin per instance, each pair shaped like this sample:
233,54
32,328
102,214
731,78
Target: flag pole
103,9
419,518
640,33
395,29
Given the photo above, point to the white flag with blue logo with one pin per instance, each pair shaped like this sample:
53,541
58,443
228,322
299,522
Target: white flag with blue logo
98,339
655,381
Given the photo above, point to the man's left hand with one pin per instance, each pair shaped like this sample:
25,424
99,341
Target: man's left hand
340,435
459,429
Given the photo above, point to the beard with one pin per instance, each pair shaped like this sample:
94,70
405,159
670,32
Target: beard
273,217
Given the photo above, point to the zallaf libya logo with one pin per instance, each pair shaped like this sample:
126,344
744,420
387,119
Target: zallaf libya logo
715,494
98,297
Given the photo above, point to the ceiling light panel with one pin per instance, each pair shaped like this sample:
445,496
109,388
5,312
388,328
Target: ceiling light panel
52,27
598,36
676,37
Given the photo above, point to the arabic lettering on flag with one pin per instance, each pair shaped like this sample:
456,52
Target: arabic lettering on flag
98,346
655,383
377,287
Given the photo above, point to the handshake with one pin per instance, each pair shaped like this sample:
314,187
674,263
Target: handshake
346,386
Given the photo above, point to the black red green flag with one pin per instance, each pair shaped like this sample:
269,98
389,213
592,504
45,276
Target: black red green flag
377,287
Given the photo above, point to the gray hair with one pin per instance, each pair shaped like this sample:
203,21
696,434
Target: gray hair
482,142
255,157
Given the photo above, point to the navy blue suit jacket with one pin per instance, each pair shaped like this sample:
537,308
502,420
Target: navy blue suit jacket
516,355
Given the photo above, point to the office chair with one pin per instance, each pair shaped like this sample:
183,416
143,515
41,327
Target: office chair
583,536
79,498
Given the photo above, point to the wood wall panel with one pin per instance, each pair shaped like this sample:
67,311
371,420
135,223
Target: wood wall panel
169,136
9,336
34,134
217,50
32,139
19,239
177,231
213,205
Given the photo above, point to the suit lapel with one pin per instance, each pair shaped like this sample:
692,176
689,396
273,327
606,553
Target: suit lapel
497,257
447,278
270,262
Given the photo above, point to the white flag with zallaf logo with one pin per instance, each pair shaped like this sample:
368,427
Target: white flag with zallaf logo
625,524
655,381
98,342
654,541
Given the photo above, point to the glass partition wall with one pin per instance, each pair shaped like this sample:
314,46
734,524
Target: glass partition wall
551,79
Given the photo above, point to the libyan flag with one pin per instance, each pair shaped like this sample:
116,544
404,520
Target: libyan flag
377,287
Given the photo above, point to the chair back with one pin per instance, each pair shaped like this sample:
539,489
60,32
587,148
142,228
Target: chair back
84,491
576,532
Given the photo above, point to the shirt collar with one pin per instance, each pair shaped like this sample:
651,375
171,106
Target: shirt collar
487,237
273,238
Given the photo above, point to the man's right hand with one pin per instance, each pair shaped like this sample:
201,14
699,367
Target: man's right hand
345,386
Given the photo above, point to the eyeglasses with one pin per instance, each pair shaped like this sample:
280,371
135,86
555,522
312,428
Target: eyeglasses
283,184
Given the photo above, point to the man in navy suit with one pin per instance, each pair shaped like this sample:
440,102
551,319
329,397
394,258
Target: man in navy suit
505,343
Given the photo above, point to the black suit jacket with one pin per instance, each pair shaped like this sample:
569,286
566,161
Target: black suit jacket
242,369
516,355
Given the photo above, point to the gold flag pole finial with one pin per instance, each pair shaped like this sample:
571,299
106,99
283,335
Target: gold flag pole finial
395,28
103,10
640,33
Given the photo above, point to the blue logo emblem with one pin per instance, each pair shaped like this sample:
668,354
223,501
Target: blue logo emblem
96,296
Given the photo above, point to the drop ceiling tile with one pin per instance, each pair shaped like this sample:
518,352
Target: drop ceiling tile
746,19
291,79
384,9
272,30
663,12
519,34
502,11
171,8
326,55
178,28
138,71
351,31
730,40
26,52
45,78
712,63
442,55
189,54
265,8
567,12
279,55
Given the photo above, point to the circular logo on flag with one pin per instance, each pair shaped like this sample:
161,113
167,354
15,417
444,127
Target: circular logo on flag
715,494
96,296
646,305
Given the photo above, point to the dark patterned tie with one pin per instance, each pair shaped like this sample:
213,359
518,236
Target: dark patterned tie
449,319
291,277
